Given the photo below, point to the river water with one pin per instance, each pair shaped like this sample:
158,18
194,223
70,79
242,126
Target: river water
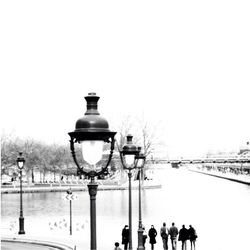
218,209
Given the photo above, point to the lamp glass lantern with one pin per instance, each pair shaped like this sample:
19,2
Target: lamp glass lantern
92,151
20,161
92,132
140,157
129,153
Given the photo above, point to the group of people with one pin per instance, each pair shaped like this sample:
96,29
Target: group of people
171,233
182,235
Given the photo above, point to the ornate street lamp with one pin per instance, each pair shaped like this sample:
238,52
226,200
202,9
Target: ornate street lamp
20,164
92,132
129,162
140,164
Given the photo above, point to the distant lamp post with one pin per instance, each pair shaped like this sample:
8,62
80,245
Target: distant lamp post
20,164
140,164
92,131
69,194
129,162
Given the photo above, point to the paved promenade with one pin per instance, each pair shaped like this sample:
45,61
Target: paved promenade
244,179
46,239
21,243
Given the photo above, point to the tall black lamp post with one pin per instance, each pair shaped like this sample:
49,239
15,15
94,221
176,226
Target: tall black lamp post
20,164
92,132
140,164
129,162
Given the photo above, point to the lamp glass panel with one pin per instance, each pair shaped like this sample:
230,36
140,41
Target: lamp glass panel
20,164
140,163
92,151
129,159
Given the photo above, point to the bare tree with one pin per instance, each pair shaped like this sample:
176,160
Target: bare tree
37,155
56,159
123,129
145,133
10,146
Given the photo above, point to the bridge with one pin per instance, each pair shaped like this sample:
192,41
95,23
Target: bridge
234,163
200,161
242,157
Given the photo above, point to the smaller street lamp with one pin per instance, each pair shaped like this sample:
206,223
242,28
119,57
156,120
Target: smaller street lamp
129,162
140,164
20,164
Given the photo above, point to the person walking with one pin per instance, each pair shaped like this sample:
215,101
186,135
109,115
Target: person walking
164,236
173,232
183,237
117,246
152,235
144,235
192,236
125,237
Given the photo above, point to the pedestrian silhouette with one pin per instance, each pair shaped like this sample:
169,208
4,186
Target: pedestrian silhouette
173,232
183,237
164,236
192,236
117,246
144,235
152,235
125,237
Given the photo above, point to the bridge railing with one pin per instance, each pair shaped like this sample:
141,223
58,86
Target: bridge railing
203,161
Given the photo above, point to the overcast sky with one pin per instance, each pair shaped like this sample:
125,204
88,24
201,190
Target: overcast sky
185,64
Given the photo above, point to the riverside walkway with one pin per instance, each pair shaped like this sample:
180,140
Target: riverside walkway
63,187
240,178
23,243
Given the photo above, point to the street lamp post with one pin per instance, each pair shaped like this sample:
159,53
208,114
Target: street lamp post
129,162
69,193
20,164
92,131
140,164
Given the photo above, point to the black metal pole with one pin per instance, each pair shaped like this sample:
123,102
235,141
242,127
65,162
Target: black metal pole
70,217
130,211
21,219
92,186
140,230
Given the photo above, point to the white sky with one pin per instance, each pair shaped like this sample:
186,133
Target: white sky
185,63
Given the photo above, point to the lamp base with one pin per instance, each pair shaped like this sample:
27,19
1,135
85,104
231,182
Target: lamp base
140,239
21,225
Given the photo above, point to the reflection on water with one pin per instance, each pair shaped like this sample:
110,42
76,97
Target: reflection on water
217,208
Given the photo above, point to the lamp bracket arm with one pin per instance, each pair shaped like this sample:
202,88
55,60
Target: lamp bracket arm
122,160
72,148
112,146
118,148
